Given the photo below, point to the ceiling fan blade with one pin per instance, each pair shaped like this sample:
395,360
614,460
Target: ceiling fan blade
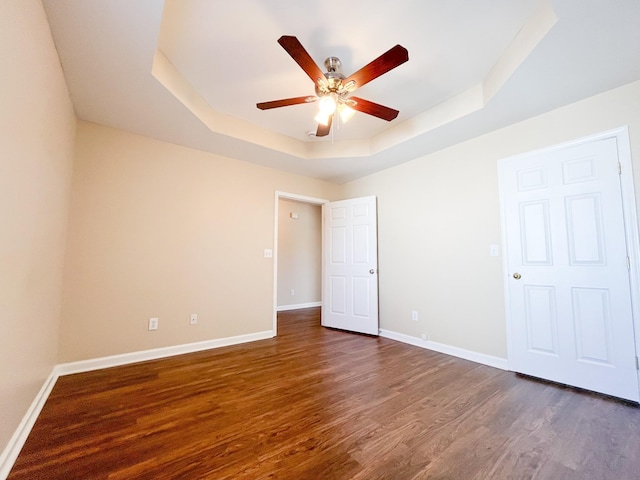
285,102
294,48
371,108
323,130
381,65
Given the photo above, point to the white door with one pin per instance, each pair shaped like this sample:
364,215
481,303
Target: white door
350,265
569,300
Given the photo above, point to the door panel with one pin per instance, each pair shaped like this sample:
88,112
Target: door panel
361,248
593,325
361,301
569,299
536,234
350,293
584,226
338,245
338,295
540,317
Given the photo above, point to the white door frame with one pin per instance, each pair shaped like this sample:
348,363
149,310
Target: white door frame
632,236
298,198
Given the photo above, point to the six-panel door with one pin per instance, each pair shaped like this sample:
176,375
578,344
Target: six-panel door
569,296
350,287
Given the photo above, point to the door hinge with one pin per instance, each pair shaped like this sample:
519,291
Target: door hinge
637,364
628,263
619,168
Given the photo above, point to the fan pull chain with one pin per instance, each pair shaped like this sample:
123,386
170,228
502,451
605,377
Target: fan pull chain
333,129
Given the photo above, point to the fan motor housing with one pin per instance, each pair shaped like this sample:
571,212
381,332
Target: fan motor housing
333,64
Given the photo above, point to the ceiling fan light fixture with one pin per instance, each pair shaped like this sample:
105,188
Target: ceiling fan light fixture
327,105
346,112
349,86
323,118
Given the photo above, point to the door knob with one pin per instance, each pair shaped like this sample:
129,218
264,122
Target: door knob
372,271
517,276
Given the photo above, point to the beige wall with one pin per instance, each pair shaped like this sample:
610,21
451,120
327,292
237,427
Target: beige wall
36,149
159,230
299,253
437,216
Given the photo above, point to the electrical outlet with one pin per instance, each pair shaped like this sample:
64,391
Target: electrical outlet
193,319
293,292
424,336
414,315
153,323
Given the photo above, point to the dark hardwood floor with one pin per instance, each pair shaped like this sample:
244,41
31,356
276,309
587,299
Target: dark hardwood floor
315,403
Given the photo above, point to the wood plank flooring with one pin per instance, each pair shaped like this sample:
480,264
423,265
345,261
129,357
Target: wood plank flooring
316,403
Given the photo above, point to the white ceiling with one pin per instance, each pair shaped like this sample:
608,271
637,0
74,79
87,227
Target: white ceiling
191,71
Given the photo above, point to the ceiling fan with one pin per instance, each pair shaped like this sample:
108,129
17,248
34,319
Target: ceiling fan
333,89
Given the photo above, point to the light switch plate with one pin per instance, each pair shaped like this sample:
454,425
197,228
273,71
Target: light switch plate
268,253
153,323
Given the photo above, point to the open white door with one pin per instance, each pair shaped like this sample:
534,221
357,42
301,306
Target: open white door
350,265
568,289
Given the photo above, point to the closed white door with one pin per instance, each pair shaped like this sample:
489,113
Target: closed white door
350,265
569,298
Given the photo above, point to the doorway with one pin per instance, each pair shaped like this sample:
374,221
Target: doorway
297,248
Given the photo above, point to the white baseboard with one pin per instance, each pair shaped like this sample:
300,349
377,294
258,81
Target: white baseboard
11,451
488,360
144,355
298,306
